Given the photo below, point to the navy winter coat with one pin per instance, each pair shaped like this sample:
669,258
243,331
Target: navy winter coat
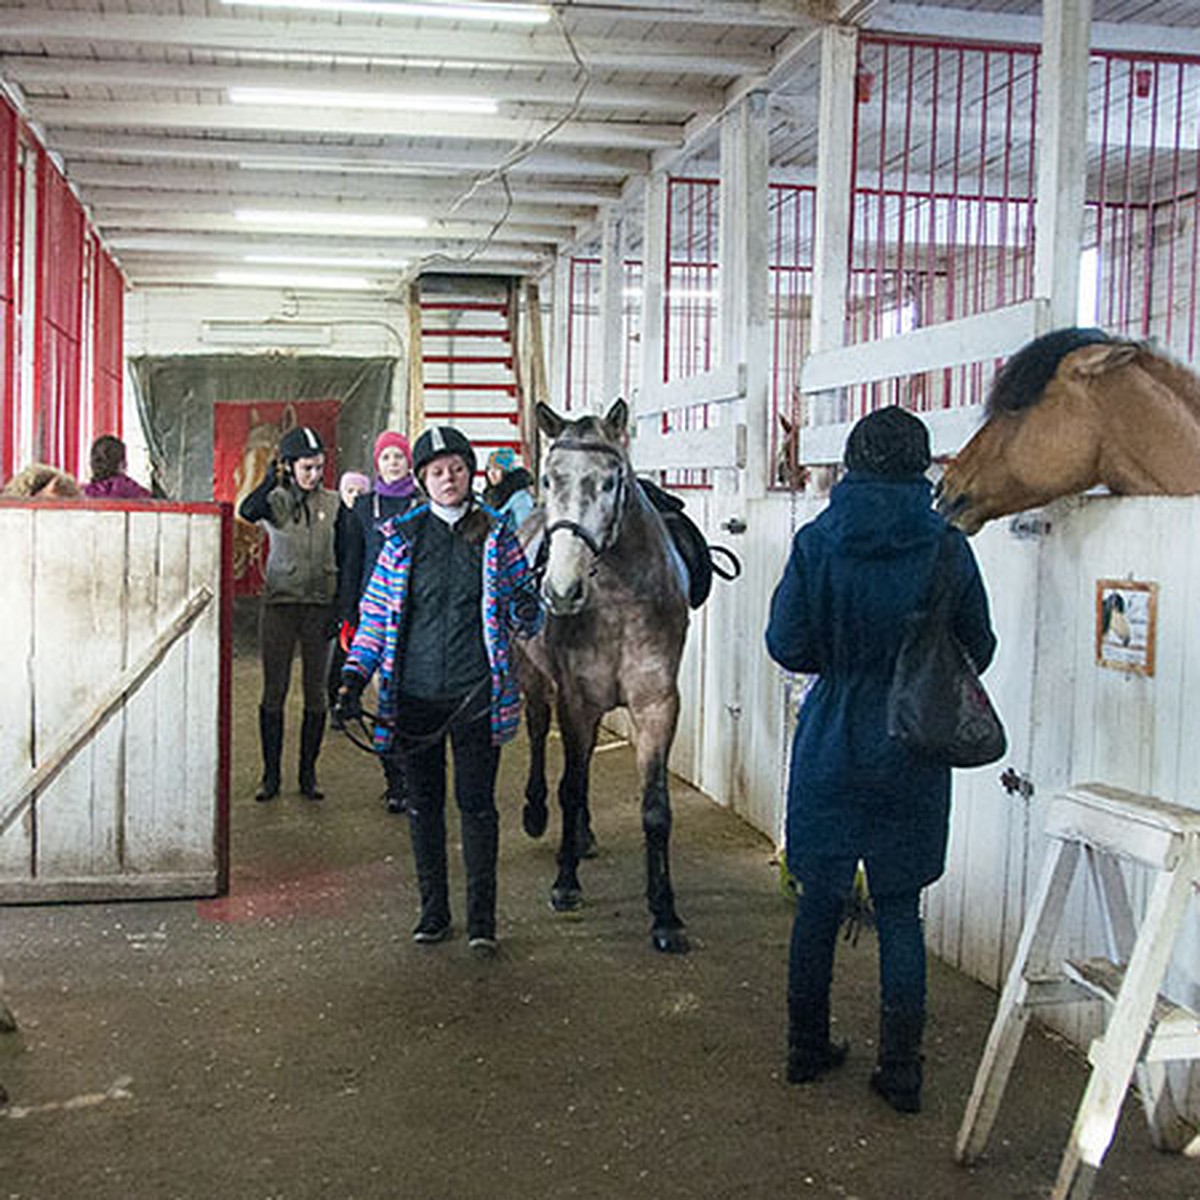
854,574
364,540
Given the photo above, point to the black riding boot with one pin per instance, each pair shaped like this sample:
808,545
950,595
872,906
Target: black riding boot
811,1053
428,834
480,834
397,783
311,732
810,974
898,1074
270,733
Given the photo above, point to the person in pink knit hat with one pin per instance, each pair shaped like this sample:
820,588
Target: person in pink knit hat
392,495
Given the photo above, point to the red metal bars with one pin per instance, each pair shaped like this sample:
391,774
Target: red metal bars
583,339
58,365
691,324
8,289
108,319
1144,200
942,212
792,213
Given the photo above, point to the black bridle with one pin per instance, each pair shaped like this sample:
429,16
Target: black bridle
598,548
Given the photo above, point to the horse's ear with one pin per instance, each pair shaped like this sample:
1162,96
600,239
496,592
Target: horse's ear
615,421
788,427
548,421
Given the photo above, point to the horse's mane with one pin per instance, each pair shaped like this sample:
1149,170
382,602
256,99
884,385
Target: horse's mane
1020,382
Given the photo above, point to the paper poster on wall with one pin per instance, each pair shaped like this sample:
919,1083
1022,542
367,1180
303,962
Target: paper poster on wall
1126,625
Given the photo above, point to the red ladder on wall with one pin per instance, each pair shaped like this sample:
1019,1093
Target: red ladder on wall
465,344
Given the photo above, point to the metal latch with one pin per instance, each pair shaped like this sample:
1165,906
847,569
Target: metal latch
1015,782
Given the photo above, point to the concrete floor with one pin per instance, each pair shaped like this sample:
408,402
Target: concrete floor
290,1041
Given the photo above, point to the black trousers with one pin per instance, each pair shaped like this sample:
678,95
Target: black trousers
281,628
423,752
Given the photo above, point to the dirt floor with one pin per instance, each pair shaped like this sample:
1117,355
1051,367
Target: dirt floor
289,1041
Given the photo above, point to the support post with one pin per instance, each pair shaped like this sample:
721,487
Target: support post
743,254
612,283
1062,157
654,269
835,184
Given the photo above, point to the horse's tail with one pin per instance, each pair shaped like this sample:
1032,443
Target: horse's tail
1020,382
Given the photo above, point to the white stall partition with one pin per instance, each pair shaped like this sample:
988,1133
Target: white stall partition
1087,697
115,640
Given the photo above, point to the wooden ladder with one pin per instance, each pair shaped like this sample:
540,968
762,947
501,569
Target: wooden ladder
1143,1031
465,367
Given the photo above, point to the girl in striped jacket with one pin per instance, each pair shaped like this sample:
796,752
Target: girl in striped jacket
450,588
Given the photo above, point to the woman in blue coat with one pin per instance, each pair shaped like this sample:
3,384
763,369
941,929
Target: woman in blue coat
854,574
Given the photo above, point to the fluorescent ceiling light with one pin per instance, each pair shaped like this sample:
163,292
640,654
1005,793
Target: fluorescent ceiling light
264,333
343,166
316,260
477,106
287,279
327,221
448,10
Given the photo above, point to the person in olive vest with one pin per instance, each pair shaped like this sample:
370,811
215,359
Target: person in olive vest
450,589
299,603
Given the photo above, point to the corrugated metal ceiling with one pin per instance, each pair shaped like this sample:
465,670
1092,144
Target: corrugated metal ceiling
136,98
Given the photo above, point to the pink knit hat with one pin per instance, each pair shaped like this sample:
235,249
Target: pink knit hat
390,438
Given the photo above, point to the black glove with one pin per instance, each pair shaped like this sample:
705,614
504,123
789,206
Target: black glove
526,608
349,699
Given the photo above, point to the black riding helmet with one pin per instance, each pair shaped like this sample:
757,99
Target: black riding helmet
301,442
437,441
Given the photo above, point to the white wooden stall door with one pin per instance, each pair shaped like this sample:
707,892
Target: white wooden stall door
111,771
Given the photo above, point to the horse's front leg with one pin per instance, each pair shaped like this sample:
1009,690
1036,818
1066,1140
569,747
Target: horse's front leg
578,728
655,730
534,685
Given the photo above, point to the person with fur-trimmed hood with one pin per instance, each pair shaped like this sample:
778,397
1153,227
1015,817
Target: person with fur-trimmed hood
509,488
450,589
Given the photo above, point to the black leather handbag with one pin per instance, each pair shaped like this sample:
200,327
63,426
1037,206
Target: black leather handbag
937,705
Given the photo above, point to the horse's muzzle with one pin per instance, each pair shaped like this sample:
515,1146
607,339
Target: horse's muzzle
568,603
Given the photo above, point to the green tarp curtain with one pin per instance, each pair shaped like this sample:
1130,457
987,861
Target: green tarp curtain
175,397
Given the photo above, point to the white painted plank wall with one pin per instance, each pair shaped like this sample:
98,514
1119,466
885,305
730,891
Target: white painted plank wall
85,593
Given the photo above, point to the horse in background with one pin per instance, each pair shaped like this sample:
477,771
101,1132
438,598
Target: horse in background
790,471
617,616
1072,410
258,450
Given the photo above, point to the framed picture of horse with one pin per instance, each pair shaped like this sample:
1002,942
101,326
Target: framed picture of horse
1126,625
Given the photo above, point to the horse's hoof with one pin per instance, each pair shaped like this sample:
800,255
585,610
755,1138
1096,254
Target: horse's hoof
585,845
670,941
534,820
565,899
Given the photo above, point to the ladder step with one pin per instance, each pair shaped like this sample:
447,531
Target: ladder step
497,360
451,386
1103,978
467,333
464,306
473,415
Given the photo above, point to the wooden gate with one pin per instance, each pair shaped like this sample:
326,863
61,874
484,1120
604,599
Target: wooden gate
114,767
